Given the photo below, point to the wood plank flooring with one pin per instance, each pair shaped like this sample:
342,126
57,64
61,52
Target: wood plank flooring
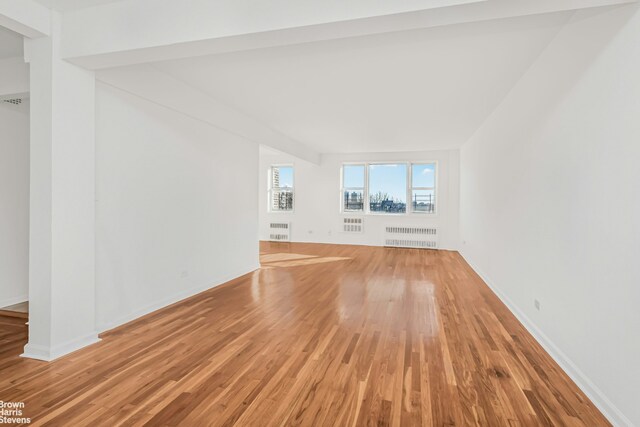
321,335
22,307
17,310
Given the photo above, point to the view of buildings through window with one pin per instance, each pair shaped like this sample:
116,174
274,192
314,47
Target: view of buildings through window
423,187
384,187
388,188
353,187
393,188
281,191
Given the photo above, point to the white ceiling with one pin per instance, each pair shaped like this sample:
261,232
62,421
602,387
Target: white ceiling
64,5
10,44
405,91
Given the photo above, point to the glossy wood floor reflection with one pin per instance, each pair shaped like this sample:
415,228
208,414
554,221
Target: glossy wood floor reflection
322,335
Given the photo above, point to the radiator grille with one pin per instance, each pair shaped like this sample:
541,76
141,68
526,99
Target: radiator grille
280,231
279,225
352,225
412,230
420,244
411,237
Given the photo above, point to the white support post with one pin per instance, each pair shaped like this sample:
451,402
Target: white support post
62,202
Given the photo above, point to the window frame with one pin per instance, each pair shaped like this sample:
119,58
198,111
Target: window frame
363,188
368,204
409,187
271,189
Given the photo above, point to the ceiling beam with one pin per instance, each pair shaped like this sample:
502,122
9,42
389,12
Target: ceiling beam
142,31
160,29
144,81
25,17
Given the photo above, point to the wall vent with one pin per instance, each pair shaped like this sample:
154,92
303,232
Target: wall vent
14,101
280,231
411,237
352,225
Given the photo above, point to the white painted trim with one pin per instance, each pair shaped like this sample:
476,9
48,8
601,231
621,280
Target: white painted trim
599,399
377,245
39,352
177,297
13,301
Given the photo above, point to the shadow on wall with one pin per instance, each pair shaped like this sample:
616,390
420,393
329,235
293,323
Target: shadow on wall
521,115
560,79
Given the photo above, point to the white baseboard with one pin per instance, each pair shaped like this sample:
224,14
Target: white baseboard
177,297
6,302
39,352
608,409
368,244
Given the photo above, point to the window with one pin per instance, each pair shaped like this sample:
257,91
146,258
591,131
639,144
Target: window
281,188
353,188
423,187
389,188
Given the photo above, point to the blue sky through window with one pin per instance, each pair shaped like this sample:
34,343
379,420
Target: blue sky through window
424,175
353,176
286,176
390,179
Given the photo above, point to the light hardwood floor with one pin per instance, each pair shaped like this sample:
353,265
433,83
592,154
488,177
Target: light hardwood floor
16,310
22,307
321,335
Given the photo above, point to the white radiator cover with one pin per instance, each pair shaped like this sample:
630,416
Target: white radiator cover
410,236
280,231
353,225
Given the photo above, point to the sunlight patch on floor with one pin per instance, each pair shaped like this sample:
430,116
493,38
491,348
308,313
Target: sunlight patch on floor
266,258
295,260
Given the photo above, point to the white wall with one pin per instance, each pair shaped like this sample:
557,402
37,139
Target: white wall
14,204
317,217
176,206
14,75
550,204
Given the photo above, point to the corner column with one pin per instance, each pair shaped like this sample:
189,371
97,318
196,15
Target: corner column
62,202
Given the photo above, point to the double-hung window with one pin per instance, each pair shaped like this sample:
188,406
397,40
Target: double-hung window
353,181
423,187
281,193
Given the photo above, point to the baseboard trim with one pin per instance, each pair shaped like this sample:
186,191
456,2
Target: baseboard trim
48,354
175,298
14,300
368,245
599,399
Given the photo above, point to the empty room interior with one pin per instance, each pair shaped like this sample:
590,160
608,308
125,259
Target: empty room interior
320,213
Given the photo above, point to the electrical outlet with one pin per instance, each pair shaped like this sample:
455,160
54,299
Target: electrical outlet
536,303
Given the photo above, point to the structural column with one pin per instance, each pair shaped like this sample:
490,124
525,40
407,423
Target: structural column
62,202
